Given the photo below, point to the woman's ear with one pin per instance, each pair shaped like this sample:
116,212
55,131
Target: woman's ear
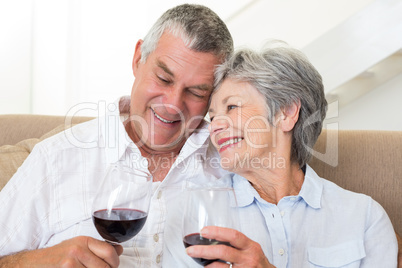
289,117
137,56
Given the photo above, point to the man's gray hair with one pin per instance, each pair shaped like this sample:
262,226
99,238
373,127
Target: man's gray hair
199,27
284,76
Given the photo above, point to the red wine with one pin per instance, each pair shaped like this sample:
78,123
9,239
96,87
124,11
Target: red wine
119,225
197,239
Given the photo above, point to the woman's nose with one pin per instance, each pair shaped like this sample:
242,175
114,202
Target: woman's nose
218,123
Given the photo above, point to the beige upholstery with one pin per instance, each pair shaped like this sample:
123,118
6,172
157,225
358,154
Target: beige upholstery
368,162
20,133
16,127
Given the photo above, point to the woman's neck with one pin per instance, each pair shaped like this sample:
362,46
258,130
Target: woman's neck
274,184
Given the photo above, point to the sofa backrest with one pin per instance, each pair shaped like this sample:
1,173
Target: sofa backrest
17,127
368,162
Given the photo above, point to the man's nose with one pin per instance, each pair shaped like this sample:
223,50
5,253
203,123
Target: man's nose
174,102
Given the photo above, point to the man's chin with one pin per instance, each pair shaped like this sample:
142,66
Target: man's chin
165,145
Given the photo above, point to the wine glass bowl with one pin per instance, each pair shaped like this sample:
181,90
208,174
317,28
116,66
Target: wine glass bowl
121,205
208,207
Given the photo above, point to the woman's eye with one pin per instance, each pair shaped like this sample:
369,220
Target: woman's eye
230,107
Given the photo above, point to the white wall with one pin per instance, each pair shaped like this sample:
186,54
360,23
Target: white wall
82,52
379,109
297,22
15,56
58,54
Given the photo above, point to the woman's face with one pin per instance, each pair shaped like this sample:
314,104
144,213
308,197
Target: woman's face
239,127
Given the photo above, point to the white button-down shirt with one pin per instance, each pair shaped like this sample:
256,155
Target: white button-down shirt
323,226
50,197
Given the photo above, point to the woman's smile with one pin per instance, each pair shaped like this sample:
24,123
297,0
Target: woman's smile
225,143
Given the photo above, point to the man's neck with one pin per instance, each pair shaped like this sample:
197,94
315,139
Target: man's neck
159,161
159,165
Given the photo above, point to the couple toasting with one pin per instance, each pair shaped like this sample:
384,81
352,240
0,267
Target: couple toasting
261,104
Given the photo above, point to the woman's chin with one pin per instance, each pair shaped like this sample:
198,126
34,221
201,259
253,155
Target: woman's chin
230,164
227,164
236,163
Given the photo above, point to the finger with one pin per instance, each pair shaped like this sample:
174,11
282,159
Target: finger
105,252
211,252
234,237
217,264
77,253
119,249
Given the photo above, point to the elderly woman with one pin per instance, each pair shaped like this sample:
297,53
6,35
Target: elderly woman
266,115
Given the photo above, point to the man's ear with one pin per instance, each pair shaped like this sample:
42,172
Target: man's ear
137,56
289,117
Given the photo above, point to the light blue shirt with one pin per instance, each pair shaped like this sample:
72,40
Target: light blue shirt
323,226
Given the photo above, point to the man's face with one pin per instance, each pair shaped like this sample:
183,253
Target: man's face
170,93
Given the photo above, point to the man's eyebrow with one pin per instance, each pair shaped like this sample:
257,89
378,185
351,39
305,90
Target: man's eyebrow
164,67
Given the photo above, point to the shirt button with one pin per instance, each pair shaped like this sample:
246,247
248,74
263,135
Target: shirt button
281,252
293,198
156,237
282,213
158,259
159,195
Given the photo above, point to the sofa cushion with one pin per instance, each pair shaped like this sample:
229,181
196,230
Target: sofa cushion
12,156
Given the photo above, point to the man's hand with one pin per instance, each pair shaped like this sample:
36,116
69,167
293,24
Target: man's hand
244,253
80,251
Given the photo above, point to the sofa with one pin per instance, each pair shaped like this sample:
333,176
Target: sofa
368,162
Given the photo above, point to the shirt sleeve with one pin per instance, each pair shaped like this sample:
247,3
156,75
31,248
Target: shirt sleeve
25,204
380,241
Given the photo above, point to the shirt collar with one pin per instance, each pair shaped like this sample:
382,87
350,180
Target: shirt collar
311,191
113,134
198,142
312,187
245,193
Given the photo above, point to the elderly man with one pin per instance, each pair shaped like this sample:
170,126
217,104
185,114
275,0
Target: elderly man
46,207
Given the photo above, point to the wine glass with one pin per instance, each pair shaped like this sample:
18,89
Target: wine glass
121,205
208,207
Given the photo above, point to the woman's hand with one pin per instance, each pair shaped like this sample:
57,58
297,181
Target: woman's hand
244,253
